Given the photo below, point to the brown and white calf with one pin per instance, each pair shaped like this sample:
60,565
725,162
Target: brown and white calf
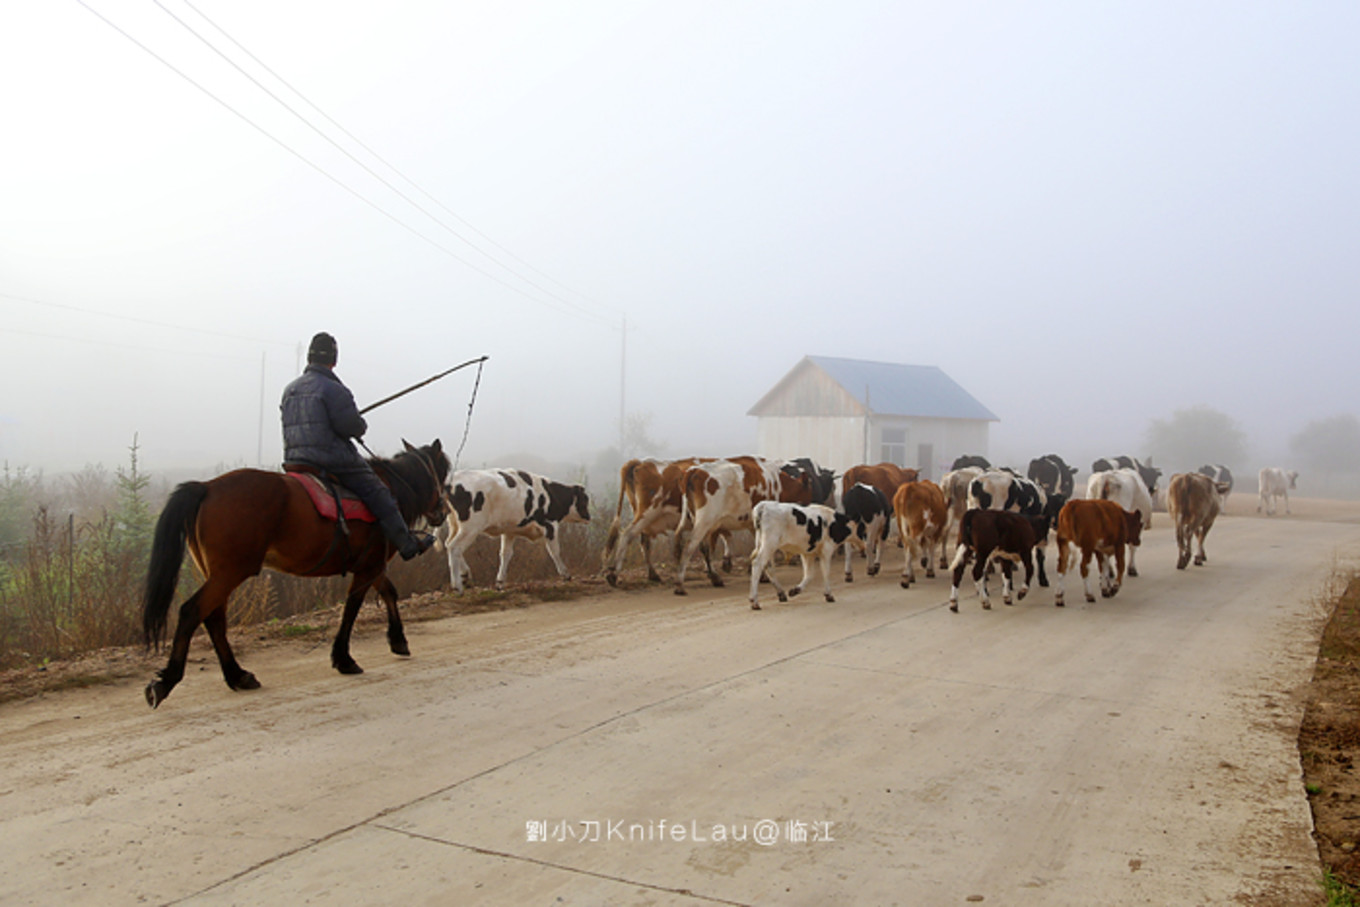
987,535
1096,528
1193,500
921,520
1127,488
812,531
717,499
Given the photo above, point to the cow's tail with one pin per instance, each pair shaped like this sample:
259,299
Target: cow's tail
167,554
615,528
686,514
965,540
1104,489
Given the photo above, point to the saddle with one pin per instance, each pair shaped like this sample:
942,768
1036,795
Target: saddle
332,500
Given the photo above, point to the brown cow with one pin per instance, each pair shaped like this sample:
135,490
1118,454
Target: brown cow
987,535
1193,501
922,516
717,498
652,490
1102,528
886,477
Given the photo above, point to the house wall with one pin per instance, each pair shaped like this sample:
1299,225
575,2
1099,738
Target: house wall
946,438
838,442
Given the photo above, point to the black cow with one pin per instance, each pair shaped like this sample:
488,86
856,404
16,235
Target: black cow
970,460
1053,475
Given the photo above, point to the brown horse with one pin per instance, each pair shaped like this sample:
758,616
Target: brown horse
248,519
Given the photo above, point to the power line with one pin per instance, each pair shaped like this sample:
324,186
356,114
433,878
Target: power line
378,157
127,346
136,320
374,205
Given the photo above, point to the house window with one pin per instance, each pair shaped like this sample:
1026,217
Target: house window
894,446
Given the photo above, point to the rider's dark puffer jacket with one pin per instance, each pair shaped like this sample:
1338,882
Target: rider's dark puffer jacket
319,418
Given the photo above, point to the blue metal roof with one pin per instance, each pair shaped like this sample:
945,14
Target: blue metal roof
903,390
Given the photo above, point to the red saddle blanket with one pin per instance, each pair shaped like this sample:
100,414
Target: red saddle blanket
324,501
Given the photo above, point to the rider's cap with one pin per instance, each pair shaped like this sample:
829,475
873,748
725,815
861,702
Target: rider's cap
323,350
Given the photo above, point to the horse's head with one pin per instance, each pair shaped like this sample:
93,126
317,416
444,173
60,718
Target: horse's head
425,469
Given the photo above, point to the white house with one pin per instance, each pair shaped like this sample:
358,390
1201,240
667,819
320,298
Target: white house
842,412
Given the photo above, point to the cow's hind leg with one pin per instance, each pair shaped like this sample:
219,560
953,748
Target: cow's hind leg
1086,573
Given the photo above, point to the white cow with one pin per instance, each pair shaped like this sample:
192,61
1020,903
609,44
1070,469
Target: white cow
808,530
1125,487
512,504
1275,483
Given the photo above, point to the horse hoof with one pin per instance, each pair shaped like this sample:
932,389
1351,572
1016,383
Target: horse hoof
653,576
400,648
156,693
905,584
873,570
954,606
850,577
348,666
717,581
986,605
680,590
794,591
755,606
1132,572
1043,581
783,597
1090,597
246,681
612,578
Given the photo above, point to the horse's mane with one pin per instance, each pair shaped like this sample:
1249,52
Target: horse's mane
408,475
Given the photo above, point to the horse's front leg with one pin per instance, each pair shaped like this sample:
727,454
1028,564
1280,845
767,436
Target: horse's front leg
396,634
341,660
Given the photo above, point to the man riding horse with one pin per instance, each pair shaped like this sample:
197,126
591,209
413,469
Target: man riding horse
319,419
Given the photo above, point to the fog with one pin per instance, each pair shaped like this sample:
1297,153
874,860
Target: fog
1089,215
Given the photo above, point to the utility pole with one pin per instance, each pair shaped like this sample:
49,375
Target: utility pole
623,386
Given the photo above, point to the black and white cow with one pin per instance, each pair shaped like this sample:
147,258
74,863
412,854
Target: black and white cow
512,504
1221,477
1001,489
821,481
812,531
1146,471
869,514
1053,475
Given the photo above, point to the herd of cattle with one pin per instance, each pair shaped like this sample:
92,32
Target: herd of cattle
976,514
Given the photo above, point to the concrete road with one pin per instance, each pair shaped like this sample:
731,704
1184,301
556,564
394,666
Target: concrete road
639,748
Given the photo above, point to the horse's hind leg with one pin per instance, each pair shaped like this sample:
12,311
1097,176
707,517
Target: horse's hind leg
396,635
211,597
237,677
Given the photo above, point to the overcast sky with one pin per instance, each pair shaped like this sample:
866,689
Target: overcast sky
1090,215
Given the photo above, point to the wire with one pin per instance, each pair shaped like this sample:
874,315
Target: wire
127,346
352,137
136,320
374,205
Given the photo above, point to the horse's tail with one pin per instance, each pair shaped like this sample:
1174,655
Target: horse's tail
167,554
